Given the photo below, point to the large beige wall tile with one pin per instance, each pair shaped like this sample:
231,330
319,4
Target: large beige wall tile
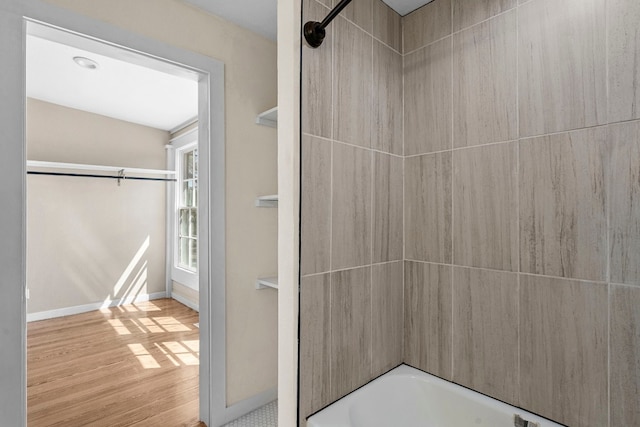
360,12
624,68
427,99
625,356
387,328
387,207
387,99
427,210
485,191
485,82
315,343
351,207
563,226
562,65
485,332
350,330
352,80
467,13
315,226
316,78
624,202
563,350
427,311
426,25
387,25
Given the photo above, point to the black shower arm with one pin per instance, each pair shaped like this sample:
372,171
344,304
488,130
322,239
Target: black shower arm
314,31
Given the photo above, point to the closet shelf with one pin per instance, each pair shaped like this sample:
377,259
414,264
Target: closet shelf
36,164
267,201
267,282
268,118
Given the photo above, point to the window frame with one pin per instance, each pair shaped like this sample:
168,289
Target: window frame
180,206
185,276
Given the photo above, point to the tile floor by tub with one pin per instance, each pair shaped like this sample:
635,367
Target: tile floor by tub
267,416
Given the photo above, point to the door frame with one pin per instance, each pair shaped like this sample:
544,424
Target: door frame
15,18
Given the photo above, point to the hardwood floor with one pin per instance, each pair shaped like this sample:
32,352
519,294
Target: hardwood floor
135,365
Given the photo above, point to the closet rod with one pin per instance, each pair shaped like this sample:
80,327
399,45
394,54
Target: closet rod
86,175
94,168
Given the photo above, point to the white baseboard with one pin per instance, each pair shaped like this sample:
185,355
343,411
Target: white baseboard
68,311
182,300
245,406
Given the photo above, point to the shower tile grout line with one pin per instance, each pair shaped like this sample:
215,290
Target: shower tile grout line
452,144
453,33
518,140
373,264
608,187
372,176
404,207
517,201
362,29
350,144
597,282
332,133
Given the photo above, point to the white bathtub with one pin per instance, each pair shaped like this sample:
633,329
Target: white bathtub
407,397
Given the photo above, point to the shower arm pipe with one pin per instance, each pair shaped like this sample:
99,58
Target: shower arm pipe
314,31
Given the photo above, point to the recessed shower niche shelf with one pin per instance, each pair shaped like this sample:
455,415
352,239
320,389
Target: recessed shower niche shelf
268,118
270,201
267,282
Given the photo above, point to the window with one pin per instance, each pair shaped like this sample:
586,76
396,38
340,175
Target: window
187,209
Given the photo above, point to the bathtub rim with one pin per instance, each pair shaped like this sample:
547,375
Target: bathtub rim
405,369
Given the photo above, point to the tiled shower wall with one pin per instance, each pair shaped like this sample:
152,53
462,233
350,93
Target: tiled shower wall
521,220
522,209
351,295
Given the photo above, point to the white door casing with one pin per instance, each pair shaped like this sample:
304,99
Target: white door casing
15,18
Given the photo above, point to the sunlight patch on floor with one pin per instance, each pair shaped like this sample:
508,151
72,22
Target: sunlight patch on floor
142,354
119,327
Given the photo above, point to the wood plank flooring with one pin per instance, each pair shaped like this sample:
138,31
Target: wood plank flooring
135,365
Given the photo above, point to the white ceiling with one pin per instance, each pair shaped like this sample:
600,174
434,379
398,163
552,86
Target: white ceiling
118,89
259,16
405,6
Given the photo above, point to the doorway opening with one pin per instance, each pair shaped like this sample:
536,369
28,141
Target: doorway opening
73,198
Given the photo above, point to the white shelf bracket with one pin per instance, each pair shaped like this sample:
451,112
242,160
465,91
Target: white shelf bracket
267,201
268,118
267,283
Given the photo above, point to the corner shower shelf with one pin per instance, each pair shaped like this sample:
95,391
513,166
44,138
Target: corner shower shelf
267,282
267,201
268,118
